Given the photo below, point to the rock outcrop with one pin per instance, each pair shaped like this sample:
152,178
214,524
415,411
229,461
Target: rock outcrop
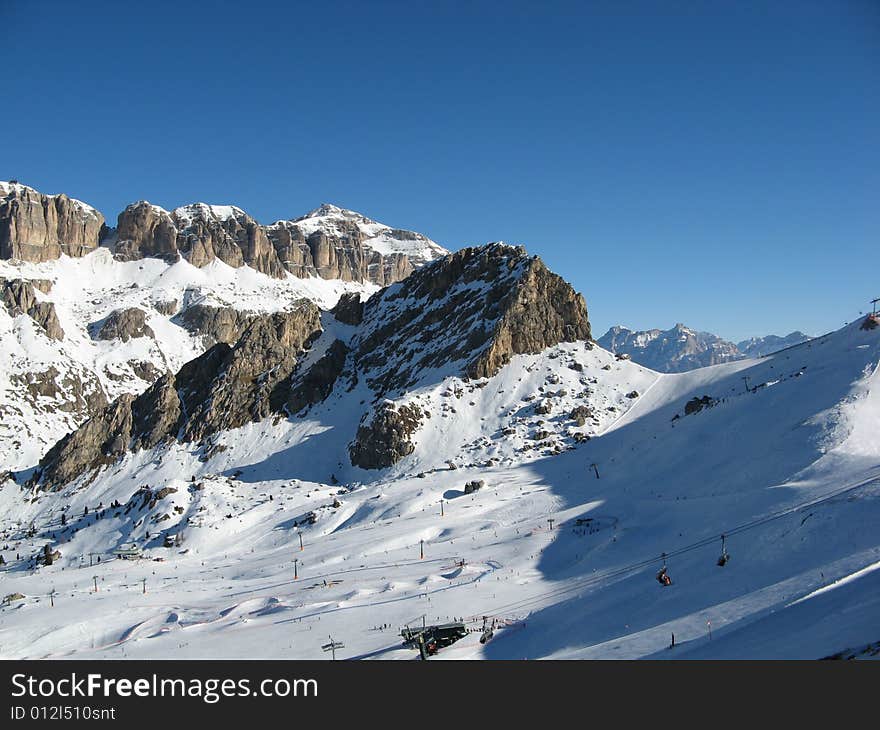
349,309
386,439
166,307
466,315
469,312
36,227
227,233
215,324
226,387
335,243
124,324
18,296
200,233
100,440
146,230
542,310
316,384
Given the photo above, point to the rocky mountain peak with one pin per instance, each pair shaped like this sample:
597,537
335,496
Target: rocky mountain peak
329,242
37,227
470,312
328,210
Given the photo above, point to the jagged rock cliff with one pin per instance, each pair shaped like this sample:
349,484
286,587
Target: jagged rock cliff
329,242
226,387
335,243
466,315
37,227
200,233
472,311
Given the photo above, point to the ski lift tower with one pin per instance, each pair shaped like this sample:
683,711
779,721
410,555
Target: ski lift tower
874,303
333,646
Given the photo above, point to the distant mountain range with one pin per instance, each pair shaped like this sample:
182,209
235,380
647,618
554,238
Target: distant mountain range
681,348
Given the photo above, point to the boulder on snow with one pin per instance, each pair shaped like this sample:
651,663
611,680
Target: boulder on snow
580,414
695,405
167,307
385,440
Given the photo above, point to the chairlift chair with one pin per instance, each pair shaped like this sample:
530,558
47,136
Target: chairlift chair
663,577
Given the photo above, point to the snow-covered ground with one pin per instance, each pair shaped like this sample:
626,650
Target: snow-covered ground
788,470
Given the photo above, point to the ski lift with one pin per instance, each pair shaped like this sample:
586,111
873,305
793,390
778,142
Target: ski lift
725,556
488,630
663,577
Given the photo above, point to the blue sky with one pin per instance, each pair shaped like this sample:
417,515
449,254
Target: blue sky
714,163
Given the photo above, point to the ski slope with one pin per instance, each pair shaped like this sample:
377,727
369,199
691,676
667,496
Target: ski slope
785,463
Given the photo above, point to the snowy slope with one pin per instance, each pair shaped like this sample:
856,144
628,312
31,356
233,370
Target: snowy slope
757,463
84,291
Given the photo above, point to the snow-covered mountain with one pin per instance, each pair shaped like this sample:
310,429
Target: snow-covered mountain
760,346
681,348
89,313
316,456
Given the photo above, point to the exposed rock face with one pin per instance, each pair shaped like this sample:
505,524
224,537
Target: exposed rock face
541,311
100,440
124,324
386,439
215,324
226,387
695,405
263,358
292,249
43,313
143,230
334,243
43,285
349,309
580,414
472,310
318,382
329,242
208,232
200,233
36,227
18,296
